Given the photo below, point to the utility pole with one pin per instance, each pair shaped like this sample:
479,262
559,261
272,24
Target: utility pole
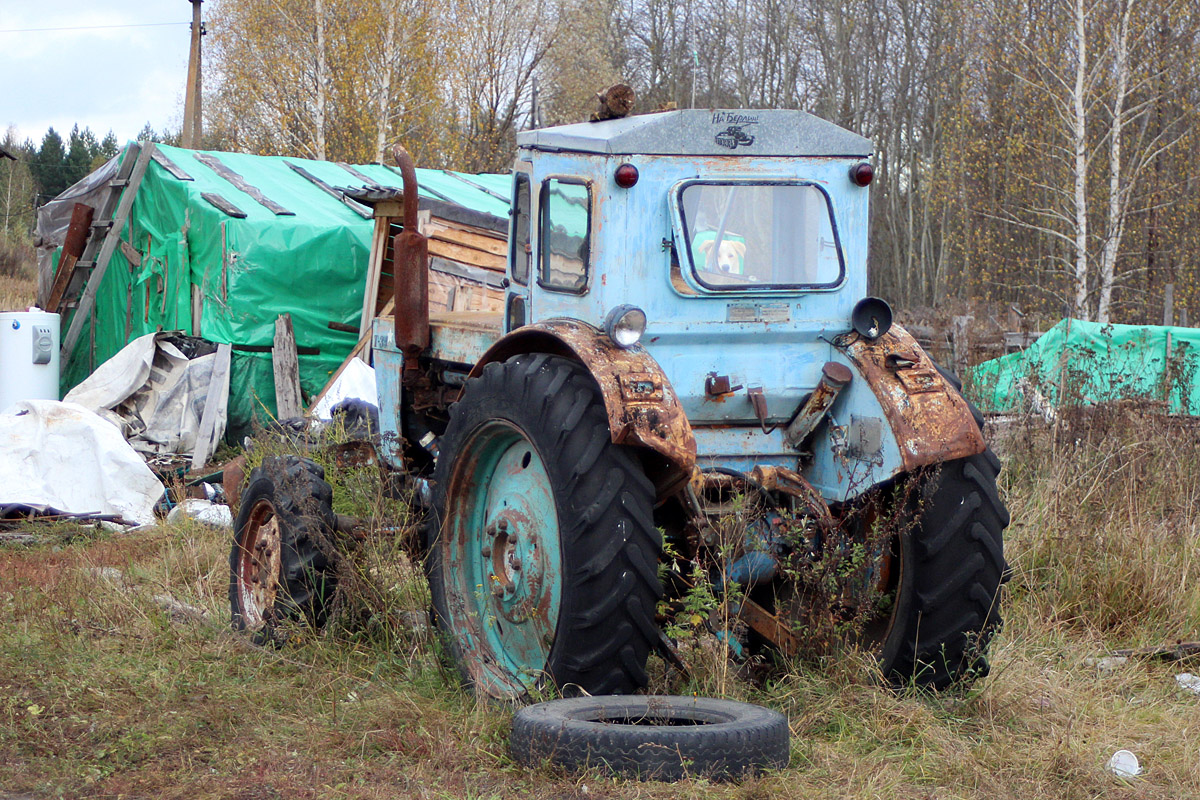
191,102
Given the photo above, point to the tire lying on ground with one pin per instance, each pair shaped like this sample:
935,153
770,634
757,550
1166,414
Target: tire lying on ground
652,737
281,565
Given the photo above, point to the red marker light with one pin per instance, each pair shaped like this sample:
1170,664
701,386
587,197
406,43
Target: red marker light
861,174
626,176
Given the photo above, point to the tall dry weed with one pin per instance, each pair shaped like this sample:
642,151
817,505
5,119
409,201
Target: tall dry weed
1104,535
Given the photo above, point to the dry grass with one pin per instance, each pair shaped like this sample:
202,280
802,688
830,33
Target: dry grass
17,292
18,271
104,694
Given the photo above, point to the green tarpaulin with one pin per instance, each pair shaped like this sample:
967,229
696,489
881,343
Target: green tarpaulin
1085,363
181,251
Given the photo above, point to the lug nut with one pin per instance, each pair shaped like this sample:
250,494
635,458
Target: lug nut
502,524
515,563
487,551
497,590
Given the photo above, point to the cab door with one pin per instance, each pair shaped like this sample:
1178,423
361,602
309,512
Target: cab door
520,250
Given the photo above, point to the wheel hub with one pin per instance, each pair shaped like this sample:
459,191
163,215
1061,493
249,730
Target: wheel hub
503,531
515,567
259,564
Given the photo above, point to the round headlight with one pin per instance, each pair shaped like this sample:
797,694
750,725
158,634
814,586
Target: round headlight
625,325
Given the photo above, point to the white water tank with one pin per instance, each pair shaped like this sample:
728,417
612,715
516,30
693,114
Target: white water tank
28,356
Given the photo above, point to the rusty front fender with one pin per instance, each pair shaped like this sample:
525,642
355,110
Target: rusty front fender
929,417
643,410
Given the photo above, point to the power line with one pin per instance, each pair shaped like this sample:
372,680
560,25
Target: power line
94,27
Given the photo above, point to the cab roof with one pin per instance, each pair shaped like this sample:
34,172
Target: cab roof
704,132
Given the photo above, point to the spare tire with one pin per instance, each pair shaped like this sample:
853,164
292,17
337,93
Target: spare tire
652,737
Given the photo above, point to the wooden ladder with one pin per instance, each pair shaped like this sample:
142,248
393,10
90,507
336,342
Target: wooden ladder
107,223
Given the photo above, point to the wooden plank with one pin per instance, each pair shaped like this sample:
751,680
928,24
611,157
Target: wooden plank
131,254
476,185
484,277
366,179
425,189
487,244
239,183
224,266
353,205
473,229
197,310
129,303
224,204
374,265
214,403
288,402
170,166
62,280
88,302
467,255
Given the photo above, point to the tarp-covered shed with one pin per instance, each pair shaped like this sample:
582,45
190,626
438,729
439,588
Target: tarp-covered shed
221,244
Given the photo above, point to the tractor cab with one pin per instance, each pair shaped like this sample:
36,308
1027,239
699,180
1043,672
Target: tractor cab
737,242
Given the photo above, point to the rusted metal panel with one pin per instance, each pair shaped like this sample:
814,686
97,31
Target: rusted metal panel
462,336
768,626
929,418
642,407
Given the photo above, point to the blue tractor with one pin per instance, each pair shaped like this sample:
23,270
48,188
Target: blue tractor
688,391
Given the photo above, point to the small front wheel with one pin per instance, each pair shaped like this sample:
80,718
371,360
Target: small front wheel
281,565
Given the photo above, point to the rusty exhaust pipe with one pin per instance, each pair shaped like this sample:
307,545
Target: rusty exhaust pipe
411,285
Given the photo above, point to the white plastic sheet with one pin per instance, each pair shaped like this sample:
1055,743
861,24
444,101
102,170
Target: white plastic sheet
357,381
154,393
63,455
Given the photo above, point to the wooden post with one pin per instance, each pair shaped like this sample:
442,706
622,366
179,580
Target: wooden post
191,103
288,402
959,341
1169,304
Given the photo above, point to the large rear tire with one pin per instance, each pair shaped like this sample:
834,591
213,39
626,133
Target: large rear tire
542,547
948,602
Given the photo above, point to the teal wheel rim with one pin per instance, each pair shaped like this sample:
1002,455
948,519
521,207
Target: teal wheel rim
503,560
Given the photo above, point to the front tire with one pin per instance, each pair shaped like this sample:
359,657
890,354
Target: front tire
281,566
542,548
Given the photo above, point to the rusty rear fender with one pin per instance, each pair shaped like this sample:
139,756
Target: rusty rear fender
928,416
643,410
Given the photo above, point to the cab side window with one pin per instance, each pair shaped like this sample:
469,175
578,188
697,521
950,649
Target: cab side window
565,241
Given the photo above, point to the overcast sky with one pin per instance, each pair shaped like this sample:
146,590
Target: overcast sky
105,78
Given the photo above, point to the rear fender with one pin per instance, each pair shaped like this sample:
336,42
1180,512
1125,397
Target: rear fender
929,418
643,410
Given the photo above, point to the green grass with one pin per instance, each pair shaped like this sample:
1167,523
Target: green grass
104,694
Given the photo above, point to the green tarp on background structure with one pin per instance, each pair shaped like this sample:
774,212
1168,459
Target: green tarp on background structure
242,273
1085,363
